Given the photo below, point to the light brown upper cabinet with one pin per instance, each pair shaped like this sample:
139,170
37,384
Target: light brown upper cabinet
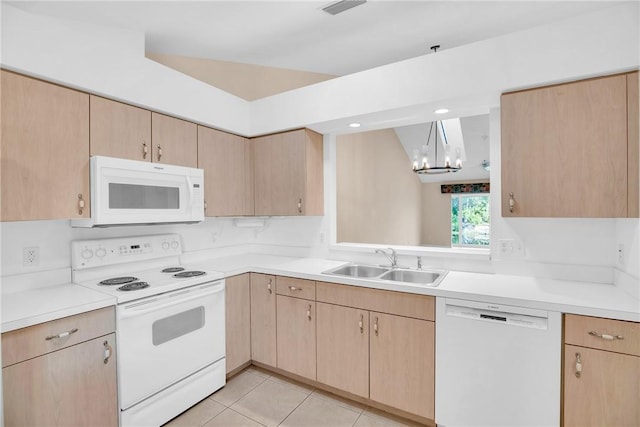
228,163
175,141
44,150
565,150
288,173
120,130
633,114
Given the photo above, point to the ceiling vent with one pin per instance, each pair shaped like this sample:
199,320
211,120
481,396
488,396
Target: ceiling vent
341,6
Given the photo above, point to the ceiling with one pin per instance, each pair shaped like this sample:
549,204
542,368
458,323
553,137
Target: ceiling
298,35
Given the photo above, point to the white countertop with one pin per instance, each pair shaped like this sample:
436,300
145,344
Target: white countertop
590,299
34,306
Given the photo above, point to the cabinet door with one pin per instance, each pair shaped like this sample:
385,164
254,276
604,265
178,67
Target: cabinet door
633,151
175,141
564,150
402,363
69,387
263,319
279,173
227,161
297,336
238,321
606,393
120,130
343,348
44,150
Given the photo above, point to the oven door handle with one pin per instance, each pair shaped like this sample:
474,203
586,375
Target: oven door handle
177,298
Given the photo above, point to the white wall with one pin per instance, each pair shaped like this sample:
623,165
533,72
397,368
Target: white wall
111,62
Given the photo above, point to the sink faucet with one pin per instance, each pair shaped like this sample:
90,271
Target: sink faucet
392,257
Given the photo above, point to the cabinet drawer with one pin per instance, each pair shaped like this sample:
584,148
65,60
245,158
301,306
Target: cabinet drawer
584,331
297,288
26,343
400,303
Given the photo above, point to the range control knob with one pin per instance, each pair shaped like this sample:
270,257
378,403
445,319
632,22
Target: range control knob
101,252
86,253
165,245
174,244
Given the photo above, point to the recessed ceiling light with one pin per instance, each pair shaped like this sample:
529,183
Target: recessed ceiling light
354,125
441,111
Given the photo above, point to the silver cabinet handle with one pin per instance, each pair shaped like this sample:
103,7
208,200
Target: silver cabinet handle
145,150
361,323
309,312
269,286
80,204
293,288
578,365
107,352
61,334
300,206
606,336
512,202
375,326
159,152
205,205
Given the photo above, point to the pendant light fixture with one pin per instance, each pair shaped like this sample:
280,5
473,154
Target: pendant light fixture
433,168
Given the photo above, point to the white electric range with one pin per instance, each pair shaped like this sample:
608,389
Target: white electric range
170,323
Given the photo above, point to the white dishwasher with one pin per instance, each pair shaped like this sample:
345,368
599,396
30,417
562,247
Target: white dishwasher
496,365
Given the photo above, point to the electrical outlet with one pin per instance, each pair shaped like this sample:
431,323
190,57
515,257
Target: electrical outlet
31,256
621,254
511,248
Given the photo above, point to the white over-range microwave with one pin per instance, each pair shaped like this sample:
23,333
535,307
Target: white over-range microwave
125,192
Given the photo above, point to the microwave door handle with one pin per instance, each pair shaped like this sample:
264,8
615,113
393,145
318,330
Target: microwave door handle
179,298
191,201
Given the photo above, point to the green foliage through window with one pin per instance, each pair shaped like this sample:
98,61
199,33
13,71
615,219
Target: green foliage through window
470,220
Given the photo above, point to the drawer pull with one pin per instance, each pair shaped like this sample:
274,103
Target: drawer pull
361,324
61,334
606,336
269,286
107,352
578,365
293,288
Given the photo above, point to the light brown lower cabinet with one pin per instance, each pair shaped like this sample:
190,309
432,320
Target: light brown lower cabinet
343,348
402,363
297,336
601,379
263,319
69,387
238,321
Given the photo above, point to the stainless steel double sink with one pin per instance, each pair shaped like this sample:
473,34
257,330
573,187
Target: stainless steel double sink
431,278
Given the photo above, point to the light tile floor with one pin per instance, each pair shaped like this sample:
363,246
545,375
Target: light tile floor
257,398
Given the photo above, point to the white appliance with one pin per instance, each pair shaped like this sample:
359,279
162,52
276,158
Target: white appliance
132,192
170,323
496,365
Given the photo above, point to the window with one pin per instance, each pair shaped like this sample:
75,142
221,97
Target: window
470,220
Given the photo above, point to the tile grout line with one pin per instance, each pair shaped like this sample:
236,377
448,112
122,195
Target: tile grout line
293,410
235,401
246,416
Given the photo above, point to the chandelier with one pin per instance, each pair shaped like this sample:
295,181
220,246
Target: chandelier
433,168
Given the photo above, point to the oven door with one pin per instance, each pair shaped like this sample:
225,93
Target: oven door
163,339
